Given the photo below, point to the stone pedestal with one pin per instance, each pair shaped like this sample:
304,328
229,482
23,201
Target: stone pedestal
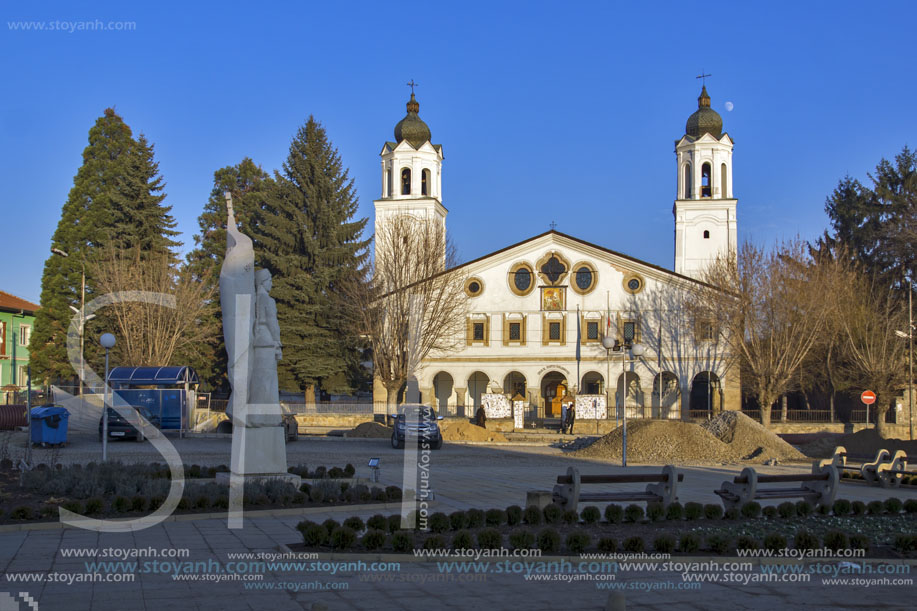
538,498
262,454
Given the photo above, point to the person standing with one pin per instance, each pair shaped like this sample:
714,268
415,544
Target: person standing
571,417
563,418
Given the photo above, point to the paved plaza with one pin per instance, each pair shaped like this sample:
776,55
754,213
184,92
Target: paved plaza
462,476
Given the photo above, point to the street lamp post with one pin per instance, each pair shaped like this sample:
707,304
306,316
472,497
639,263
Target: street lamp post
637,350
82,313
108,342
910,355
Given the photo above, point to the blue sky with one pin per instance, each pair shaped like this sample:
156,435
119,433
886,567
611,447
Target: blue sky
546,111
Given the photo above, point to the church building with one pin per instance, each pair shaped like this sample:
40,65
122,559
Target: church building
538,310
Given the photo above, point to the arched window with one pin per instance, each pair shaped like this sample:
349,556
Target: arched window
388,183
688,181
705,182
406,181
706,234
723,189
425,182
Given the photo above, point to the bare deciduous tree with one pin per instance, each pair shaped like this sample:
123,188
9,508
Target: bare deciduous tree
148,333
775,305
410,303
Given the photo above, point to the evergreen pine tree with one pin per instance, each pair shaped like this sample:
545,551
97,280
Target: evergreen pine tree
246,181
306,236
116,198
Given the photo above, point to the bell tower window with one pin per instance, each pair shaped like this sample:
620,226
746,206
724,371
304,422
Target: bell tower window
688,181
723,190
388,183
706,234
425,182
406,181
705,182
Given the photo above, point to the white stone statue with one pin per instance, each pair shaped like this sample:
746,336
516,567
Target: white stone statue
266,349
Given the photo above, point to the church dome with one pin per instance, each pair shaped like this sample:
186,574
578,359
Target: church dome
411,127
705,120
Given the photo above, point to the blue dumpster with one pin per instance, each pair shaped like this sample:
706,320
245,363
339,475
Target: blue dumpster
49,425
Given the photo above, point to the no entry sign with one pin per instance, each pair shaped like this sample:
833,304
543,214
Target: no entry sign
868,397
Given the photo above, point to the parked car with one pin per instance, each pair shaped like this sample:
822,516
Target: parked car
120,428
290,427
424,424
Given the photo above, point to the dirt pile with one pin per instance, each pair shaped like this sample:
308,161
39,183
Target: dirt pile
863,443
748,439
465,431
660,441
370,430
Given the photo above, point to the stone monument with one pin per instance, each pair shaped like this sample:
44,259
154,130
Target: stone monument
252,338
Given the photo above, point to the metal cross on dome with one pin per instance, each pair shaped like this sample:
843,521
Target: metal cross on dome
703,77
412,84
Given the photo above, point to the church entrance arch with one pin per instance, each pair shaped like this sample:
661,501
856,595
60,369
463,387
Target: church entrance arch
477,386
514,384
553,389
442,388
706,396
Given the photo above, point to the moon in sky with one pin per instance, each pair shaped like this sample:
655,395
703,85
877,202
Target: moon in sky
729,106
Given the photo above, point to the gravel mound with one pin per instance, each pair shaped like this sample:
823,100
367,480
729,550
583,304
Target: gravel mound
749,439
465,431
370,430
863,443
660,441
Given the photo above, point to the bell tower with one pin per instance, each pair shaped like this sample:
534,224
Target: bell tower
411,172
705,207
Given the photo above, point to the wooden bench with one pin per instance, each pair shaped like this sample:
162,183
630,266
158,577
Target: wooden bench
662,488
818,487
885,470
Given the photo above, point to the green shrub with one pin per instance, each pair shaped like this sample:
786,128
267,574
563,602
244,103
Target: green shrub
578,541
392,494
731,514
95,505
349,471
201,502
521,539
570,517
552,514
495,517
74,506
548,541
835,540
664,544
314,535
462,540
910,505
633,545
377,522
438,522
674,511
122,504
330,524
718,544
394,523
614,514
373,539
316,494
858,508
747,542
694,511
305,488
689,543
591,514
335,473
803,508
805,540
222,502
875,508
841,507
355,523
490,538
654,511
905,543
343,538
769,512
435,542
774,541
475,518
608,545
751,510
194,471
513,515
713,511
403,541
633,513
858,541
23,512
364,495
138,503
458,520
532,515
377,494
47,511
319,473
893,505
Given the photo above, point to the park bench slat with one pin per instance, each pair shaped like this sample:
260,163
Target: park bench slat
773,479
629,478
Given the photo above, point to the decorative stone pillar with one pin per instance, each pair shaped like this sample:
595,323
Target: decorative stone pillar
460,401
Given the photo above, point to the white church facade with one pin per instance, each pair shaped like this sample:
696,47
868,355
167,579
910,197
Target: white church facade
538,310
